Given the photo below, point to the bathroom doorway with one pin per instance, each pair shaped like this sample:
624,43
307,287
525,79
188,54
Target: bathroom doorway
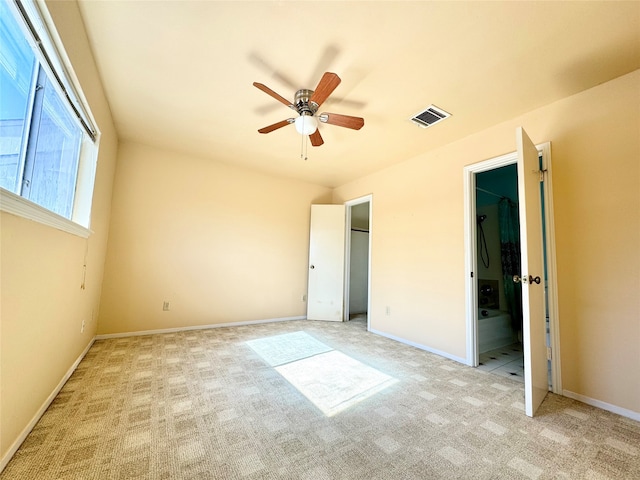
500,348
537,178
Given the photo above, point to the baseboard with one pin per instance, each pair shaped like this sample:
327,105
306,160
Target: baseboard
603,405
27,430
196,327
421,347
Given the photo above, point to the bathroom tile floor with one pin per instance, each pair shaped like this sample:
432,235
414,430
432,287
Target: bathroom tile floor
506,361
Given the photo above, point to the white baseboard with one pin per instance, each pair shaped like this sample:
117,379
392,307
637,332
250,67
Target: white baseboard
23,435
196,327
603,405
421,347
27,430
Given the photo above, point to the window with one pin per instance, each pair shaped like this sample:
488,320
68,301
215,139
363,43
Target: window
47,147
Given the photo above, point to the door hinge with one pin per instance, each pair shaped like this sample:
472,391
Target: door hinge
541,175
549,356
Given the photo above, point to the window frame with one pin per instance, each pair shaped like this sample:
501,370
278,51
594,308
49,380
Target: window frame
39,31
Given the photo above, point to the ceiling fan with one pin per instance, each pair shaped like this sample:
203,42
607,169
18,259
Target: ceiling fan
306,103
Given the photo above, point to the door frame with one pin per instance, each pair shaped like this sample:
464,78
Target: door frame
470,233
347,256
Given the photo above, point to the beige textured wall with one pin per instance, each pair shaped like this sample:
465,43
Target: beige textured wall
42,305
228,245
418,237
221,244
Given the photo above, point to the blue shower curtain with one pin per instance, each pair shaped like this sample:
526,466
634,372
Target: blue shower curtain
510,253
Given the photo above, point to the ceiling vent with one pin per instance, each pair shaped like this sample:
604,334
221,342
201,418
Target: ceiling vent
430,116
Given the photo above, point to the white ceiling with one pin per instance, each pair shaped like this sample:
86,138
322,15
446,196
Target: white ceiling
179,74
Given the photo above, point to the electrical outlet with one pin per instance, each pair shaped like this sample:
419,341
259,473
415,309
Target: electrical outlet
165,306
82,327
388,311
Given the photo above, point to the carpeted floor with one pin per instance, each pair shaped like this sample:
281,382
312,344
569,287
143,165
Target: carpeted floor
206,405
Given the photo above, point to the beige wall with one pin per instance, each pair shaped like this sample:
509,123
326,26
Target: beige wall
418,237
41,271
223,245
219,243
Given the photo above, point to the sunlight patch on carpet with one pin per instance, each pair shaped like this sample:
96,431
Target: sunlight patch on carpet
331,380
286,348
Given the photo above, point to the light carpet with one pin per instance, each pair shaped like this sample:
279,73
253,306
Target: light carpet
205,405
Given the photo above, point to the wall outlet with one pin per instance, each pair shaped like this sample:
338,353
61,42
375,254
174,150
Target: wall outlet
165,306
388,310
82,327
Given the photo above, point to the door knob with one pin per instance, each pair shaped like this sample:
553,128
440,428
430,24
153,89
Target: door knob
312,267
526,279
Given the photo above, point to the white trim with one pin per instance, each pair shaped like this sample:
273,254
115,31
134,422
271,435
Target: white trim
552,270
346,294
85,181
603,405
470,261
27,430
195,327
471,300
347,257
420,346
20,206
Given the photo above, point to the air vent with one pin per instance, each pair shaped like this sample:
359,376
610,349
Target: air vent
430,116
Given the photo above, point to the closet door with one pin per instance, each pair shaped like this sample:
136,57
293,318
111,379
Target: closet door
325,293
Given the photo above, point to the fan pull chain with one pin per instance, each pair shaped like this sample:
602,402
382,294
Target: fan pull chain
304,148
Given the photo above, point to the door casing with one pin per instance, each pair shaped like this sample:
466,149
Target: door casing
347,256
470,233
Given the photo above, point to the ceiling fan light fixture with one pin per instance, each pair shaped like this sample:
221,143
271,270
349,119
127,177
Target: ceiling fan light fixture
306,124
306,103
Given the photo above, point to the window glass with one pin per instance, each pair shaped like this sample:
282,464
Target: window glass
17,65
52,154
40,134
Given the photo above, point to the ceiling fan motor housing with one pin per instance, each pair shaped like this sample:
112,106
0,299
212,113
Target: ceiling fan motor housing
302,103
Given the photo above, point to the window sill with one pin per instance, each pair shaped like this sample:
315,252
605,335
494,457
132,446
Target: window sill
21,207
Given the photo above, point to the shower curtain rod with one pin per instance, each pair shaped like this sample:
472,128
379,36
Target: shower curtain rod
490,193
496,195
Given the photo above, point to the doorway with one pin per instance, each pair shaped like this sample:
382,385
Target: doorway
357,260
477,219
499,316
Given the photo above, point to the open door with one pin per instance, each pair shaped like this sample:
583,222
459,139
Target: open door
325,294
532,274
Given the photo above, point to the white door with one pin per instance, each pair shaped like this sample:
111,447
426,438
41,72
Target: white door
532,274
325,292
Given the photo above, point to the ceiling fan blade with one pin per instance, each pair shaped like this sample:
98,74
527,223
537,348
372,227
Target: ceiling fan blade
270,92
355,123
316,138
326,86
327,59
276,126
